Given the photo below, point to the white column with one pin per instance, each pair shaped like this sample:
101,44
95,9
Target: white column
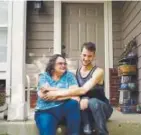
9,38
108,44
110,35
57,27
17,107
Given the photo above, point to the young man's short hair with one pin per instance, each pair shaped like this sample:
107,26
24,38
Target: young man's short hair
89,46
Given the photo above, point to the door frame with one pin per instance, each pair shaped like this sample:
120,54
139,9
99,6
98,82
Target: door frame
107,37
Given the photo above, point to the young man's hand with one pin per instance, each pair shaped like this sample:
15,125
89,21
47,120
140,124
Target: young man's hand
76,98
84,103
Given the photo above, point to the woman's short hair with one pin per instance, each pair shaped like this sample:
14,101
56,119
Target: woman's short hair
89,46
51,63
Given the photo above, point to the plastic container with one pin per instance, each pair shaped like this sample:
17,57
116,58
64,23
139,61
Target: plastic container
128,109
127,70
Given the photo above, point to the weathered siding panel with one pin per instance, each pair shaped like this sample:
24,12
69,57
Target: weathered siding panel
42,19
125,7
133,11
39,44
41,35
129,10
117,44
131,27
139,74
35,27
40,32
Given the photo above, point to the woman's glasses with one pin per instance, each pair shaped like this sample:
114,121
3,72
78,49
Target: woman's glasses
61,63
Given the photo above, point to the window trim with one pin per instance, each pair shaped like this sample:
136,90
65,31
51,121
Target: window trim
5,65
3,25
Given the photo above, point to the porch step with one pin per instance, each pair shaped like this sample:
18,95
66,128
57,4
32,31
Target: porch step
119,124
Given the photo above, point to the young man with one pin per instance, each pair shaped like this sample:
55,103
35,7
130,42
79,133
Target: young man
93,101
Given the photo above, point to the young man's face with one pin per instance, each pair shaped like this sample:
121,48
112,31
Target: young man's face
87,57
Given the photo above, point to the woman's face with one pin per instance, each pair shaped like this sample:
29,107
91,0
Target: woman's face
60,65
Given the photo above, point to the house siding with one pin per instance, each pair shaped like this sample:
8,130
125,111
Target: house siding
116,25
40,31
131,28
40,41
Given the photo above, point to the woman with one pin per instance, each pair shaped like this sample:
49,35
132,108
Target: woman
49,113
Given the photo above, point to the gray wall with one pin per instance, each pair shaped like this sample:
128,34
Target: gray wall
131,27
40,32
126,25
116,25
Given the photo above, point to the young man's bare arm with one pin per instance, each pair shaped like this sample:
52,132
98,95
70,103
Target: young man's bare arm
96,79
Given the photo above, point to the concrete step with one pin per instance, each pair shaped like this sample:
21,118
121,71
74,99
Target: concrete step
119,124
124,124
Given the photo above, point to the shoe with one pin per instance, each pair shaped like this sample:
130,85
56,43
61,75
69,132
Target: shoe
87,129
95,132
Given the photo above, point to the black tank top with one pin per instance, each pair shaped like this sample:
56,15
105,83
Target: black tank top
97,91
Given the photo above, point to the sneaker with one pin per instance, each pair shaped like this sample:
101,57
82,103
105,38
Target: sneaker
87,129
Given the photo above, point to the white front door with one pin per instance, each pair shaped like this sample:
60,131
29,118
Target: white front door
82,22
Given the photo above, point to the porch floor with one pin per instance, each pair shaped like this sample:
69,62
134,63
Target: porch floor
127,124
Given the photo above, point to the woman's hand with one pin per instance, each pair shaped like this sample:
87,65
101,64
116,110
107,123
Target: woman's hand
52,95
47,88
41,95
46,94
43,90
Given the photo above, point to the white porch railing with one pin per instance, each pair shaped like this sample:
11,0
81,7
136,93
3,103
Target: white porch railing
32,75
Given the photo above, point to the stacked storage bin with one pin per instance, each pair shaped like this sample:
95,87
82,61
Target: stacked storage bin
127,71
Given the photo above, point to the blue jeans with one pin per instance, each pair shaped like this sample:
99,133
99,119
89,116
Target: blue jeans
47,121
98,112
